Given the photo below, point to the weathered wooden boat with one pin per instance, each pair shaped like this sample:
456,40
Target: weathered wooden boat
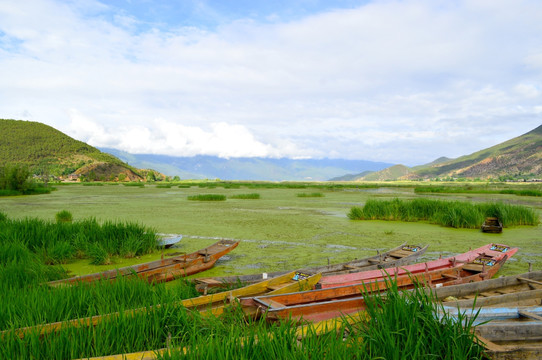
519,290
168,240
514,306
506,332
492,225
490,251
512,340
322,304
208,304
165,269
401,255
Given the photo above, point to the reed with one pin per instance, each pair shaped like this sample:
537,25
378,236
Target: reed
455,214
469,189
207,197
59,242
413,325
135,184
34,305
64,216
93,184
245,196
314,194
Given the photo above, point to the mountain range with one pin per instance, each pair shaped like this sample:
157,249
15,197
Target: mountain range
266,169
517,158
46,150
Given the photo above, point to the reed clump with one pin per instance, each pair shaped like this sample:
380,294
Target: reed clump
469,189
64,216
455,214
63,241
207,197
314,194
251,196
413,325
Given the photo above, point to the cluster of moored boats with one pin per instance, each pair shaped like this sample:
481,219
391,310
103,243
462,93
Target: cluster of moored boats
320,294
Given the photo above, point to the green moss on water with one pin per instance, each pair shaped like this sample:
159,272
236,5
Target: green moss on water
280,231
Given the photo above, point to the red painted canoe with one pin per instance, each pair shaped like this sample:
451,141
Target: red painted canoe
455,261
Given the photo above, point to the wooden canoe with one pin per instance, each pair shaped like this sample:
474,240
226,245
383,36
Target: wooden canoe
507,332
208,304
519,290
512,303
492,225
401,255
491,250
164,269
322,304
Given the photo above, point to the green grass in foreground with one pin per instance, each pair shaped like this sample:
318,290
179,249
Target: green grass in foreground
455,214
401,325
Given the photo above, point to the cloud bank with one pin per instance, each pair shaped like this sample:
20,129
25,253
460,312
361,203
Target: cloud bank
396,81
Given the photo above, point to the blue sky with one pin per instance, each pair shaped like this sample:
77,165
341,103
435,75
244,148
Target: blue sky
401,81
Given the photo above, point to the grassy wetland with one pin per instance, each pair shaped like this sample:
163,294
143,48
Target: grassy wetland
278,230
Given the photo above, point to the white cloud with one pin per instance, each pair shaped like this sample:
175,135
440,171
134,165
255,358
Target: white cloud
401,81
163,137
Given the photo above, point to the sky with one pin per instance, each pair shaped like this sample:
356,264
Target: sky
399,81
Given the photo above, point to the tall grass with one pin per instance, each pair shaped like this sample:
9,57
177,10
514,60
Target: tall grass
245,196
455,214
469,189
34,305
64,216
207,197
314,194
402,325
58,242
411,325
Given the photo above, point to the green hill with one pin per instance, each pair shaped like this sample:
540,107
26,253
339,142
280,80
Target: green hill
392,173
46,150
520,156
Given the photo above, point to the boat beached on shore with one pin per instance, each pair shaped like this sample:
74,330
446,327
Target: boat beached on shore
165,269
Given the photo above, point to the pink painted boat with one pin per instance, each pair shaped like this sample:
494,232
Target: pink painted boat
491,250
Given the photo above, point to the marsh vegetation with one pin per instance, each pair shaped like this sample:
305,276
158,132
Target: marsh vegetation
280,231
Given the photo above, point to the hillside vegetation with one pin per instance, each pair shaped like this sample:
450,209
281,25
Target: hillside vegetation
47,151
518,158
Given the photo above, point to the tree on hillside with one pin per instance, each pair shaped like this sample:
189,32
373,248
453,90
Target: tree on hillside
15,177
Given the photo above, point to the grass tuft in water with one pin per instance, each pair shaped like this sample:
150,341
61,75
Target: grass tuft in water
455,214
207,197
246,196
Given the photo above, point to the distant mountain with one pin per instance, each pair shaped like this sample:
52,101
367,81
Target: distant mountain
392,173
211,167
519,156
351,177
46,150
